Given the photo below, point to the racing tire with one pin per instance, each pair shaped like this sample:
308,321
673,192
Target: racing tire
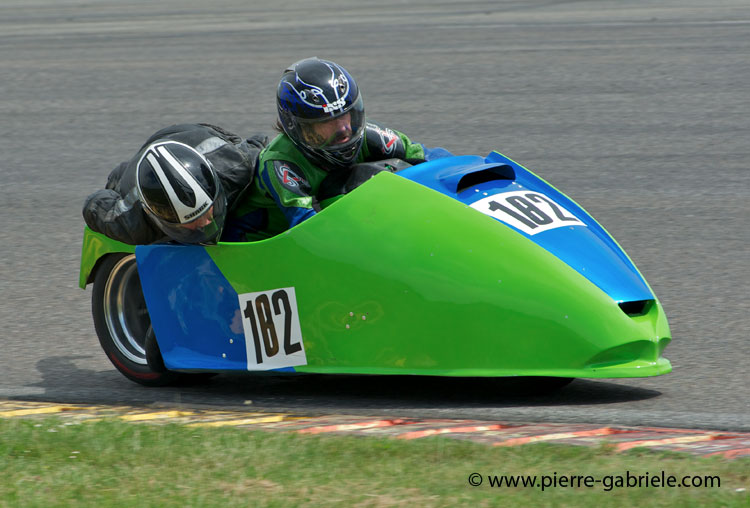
123,324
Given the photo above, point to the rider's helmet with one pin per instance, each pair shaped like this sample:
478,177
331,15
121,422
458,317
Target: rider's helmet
181,193
312,92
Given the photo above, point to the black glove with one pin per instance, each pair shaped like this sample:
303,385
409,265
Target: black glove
343,181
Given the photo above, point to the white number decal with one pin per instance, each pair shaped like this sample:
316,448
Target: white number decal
531,212
272,332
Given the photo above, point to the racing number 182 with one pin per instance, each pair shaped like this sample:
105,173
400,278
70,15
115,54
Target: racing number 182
260,312
530,214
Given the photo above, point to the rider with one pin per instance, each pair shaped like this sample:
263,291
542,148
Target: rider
178,186
323,135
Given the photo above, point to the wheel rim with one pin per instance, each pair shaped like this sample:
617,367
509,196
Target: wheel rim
125,310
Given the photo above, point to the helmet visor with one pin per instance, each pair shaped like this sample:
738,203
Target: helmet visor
335,132
205,229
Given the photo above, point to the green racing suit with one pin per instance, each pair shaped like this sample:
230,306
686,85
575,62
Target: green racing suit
286,189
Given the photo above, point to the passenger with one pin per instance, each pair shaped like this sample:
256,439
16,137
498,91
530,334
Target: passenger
323,135
179,186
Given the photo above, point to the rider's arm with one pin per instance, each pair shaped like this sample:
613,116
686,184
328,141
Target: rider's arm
287,185
384,143
120,218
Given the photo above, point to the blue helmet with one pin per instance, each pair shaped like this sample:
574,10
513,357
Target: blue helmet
321,110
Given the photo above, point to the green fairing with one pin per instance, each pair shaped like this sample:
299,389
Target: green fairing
426,285
96,245
281,148
444,291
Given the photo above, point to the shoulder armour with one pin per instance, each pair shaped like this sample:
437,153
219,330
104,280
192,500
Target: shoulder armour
291,178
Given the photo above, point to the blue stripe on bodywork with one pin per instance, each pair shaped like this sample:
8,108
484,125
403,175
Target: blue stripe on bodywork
589,250
194,310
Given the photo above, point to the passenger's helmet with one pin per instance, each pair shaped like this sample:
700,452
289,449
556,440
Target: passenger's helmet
313,91
181,193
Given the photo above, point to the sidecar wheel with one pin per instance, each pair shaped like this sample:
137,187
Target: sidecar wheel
122,322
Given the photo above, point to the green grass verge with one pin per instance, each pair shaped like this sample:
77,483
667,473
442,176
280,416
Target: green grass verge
110,463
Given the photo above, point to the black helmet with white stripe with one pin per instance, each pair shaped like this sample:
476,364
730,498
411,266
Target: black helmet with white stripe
181,192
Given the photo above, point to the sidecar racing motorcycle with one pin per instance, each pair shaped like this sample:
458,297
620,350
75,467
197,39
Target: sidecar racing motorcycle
462,266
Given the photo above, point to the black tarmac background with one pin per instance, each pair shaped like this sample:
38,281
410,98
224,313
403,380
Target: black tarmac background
639,110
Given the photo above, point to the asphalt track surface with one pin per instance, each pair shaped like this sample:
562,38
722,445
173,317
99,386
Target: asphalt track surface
639,112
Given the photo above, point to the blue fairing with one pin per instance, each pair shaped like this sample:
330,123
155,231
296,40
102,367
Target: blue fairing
193,308
586,248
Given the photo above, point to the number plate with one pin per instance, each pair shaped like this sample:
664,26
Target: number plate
273,337
530,212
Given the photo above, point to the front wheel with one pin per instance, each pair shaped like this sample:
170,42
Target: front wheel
123,325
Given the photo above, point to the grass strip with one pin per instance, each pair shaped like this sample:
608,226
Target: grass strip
51,463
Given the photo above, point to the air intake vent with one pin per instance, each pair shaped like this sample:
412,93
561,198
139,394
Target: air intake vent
636,308
492,173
